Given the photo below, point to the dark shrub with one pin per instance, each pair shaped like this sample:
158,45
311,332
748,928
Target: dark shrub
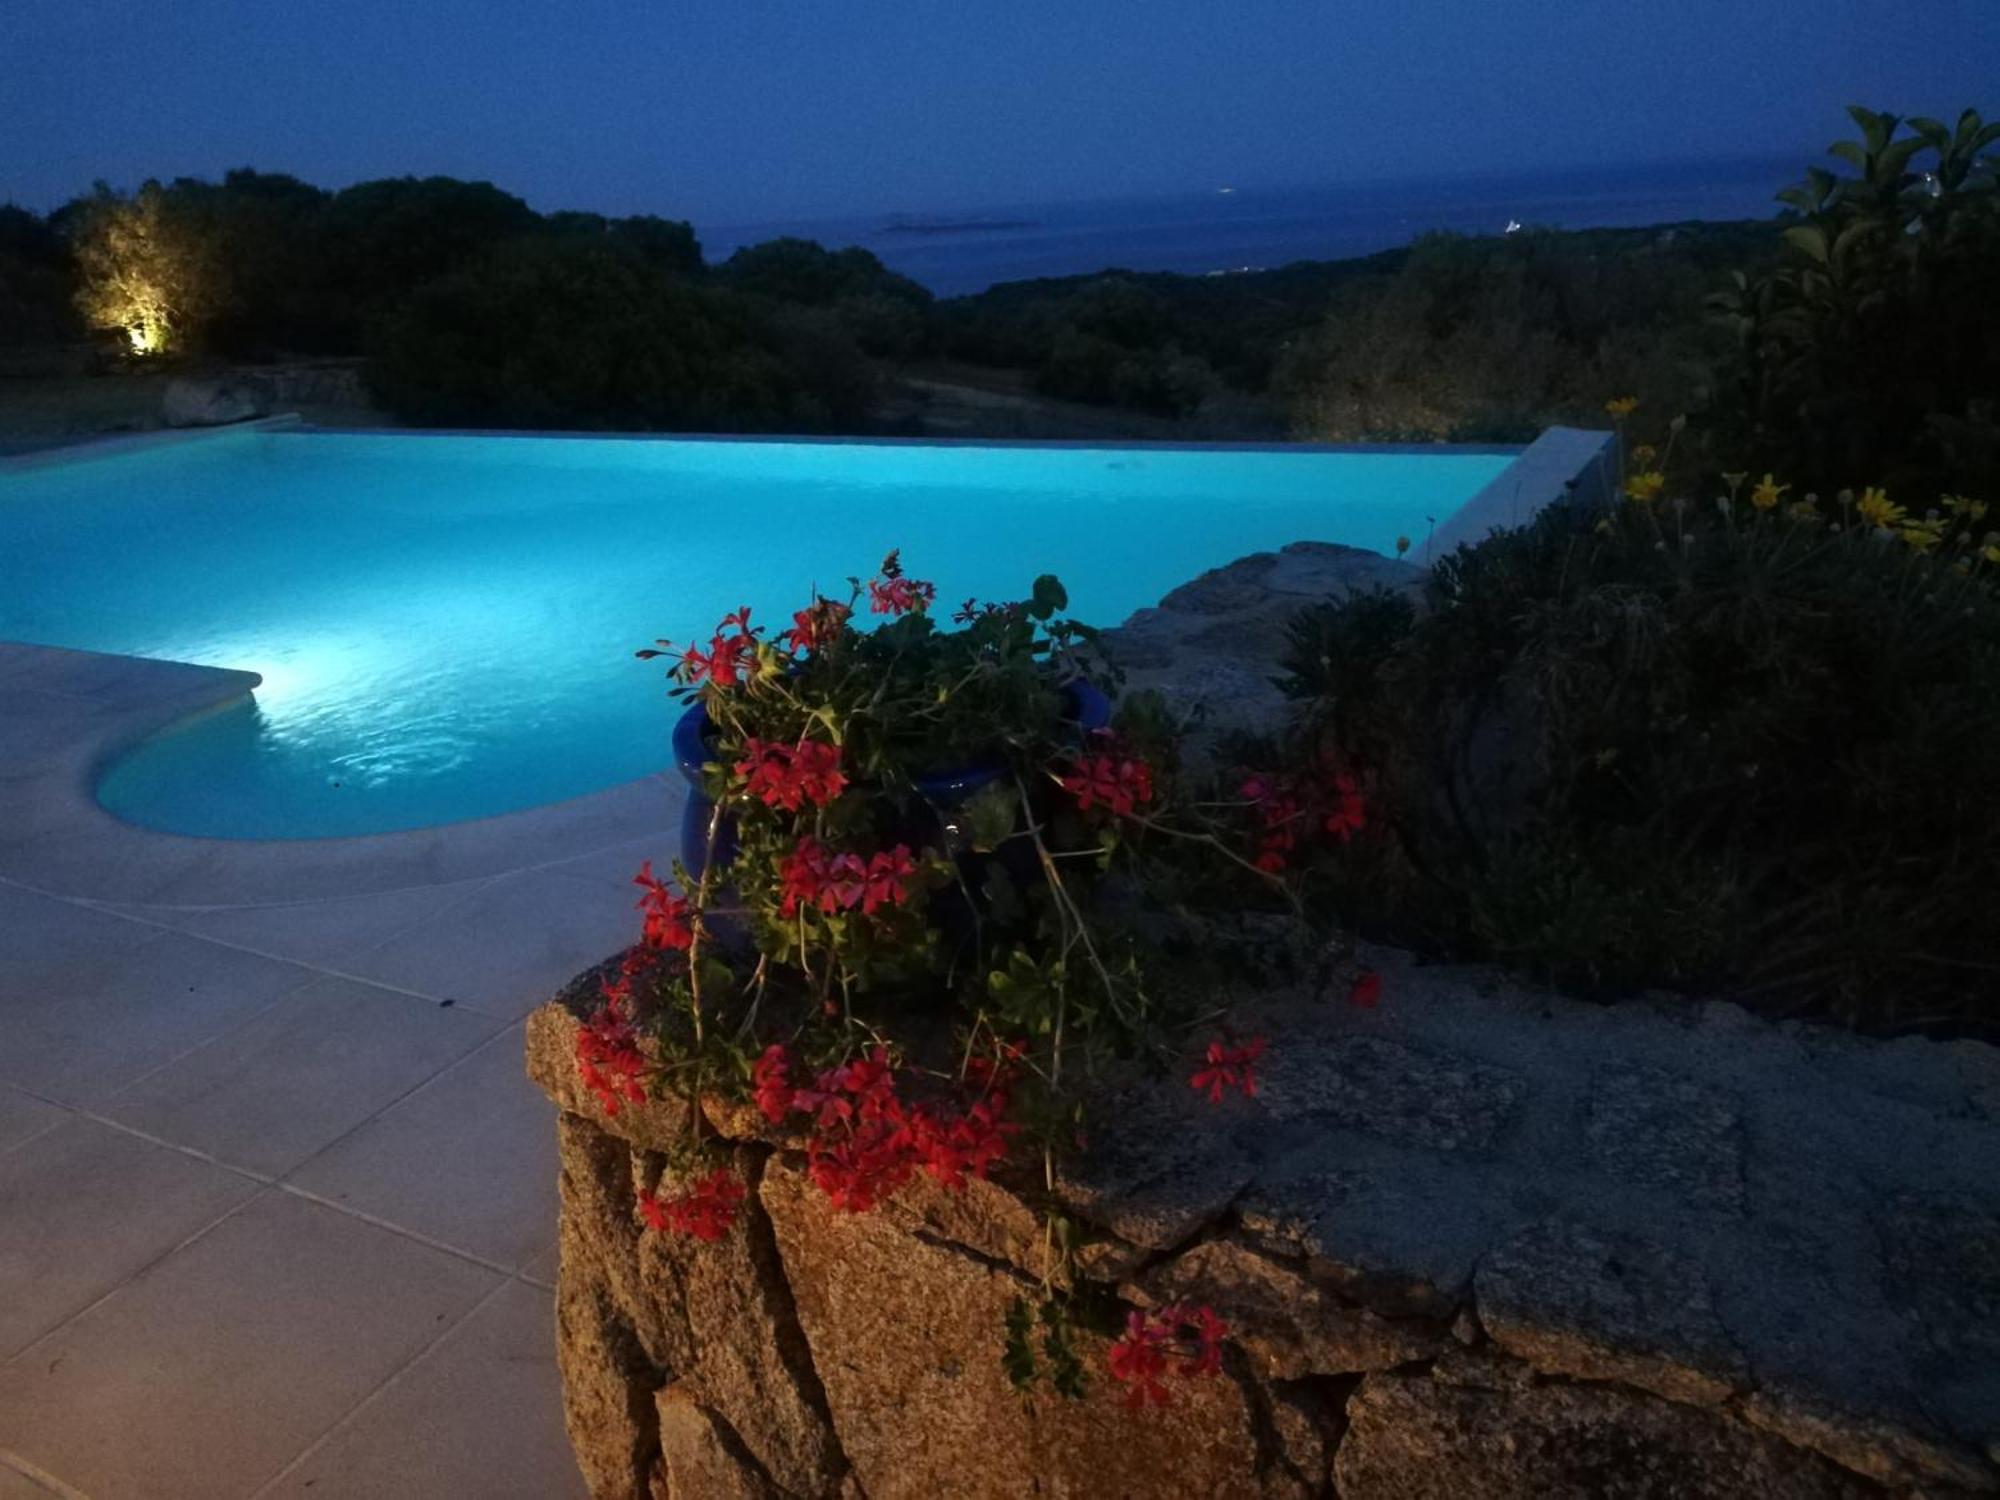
37,287
886,315
1488,340
1750,756
1873,347
668,244
382,240
574,332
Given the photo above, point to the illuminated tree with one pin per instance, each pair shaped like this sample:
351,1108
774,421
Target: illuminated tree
144,267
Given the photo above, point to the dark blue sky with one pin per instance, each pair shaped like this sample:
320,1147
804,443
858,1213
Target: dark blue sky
723,110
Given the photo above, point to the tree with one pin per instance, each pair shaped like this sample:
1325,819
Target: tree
384,239
581,331
36,295
144,267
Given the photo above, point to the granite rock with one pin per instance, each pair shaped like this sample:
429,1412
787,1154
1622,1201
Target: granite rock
1441,1102
1412,1438
702,1460
1668,1131
1287,1323
906,1332
210,403
1572,1301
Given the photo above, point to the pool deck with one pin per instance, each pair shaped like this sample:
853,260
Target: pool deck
277,1204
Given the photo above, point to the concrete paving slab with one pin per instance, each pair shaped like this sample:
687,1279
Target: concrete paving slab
468,1160
299,1075
88,1207
203,1377
480,1414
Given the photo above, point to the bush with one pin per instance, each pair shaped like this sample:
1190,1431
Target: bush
587,333
668,244
1111,345
36,290
1745,753
382,240
1490,340
884,314
1873,347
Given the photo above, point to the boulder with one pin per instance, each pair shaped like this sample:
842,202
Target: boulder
1192,648
211,403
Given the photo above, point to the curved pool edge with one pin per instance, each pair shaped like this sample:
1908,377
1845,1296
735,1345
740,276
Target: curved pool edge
72,713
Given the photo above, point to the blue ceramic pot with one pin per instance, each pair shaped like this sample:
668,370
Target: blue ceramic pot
1084,706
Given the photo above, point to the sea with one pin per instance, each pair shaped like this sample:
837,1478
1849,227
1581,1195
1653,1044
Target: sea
1226,229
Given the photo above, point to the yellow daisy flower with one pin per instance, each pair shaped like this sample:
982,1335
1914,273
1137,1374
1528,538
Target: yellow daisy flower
1645,485
1876,508
1768,493
1921,536
1622,407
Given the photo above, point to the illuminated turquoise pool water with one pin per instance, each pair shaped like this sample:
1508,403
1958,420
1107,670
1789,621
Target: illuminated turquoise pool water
445,625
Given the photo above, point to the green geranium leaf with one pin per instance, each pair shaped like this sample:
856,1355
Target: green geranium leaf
1048,597
987,816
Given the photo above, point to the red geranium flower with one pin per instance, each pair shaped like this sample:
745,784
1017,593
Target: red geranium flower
813,875
770,1082
1110,777
1138,1359
801,876
898,596
888,879
608,1060
706,1210
722,665
815,626
789,776
669,921
867,1142
1348,813
846,883
1228,1067
1206,1331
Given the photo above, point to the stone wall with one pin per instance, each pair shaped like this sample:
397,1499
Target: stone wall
1479,1241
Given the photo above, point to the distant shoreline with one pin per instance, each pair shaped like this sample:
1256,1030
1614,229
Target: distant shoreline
957,253
955,226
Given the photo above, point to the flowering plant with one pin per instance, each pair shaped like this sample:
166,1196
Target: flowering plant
890,937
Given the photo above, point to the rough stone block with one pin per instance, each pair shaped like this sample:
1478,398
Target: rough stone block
1411,1438
1416,1097
1574,1301
1289,1325
1667,1131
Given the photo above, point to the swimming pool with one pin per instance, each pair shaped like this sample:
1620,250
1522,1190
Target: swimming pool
445,624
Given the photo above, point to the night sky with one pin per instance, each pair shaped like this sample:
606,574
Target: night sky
737,110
